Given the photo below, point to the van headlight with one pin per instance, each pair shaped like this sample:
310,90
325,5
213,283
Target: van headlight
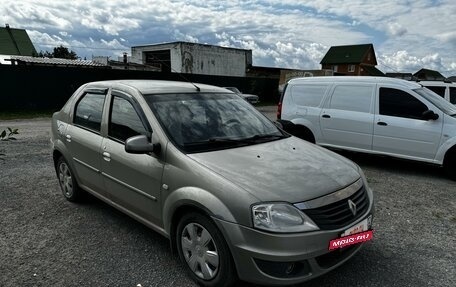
281,217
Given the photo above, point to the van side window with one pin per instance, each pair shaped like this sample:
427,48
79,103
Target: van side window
438,90
89,111
124,121
453,95
398,103
352,98
308,95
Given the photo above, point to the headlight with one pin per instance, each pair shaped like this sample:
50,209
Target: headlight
281,217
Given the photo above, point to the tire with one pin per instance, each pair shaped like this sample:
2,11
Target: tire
449,165
70,189
305,134
196,238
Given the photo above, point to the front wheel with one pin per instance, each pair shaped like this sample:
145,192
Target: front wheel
204,252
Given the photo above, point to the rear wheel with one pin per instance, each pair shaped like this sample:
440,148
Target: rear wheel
204,252
449,165
67,182
304,133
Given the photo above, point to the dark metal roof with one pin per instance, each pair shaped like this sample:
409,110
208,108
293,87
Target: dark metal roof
373,71
54,61
351,54
15,42
426,74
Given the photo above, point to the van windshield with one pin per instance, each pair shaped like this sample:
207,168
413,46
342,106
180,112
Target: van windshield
211,121
446,107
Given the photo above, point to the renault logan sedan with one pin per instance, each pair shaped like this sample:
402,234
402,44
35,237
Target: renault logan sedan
236,196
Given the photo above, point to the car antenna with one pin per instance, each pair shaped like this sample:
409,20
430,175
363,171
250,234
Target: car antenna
179,74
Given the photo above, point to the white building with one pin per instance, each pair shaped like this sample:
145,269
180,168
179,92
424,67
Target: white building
194,58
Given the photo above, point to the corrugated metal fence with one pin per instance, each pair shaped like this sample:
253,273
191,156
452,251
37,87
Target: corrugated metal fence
48,87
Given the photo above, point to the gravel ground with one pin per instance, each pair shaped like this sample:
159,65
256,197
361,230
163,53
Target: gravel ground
47,241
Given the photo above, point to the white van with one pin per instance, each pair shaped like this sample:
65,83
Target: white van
446,90
372,114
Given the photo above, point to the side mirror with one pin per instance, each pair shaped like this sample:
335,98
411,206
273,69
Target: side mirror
139,145
429,115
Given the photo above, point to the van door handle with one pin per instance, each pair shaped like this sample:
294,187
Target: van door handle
326,116
382,124
106,156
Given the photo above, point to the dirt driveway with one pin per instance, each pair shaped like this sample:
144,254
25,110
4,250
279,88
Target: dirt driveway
47,241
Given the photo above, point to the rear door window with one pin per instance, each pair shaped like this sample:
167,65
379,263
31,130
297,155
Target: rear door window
352,98
308,95
89,111
398,103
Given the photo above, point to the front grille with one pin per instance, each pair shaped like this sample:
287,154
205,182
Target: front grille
338,214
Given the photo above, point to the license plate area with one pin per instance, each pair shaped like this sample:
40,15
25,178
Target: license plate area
358,233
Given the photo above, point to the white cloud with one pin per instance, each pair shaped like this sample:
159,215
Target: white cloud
287,33
395,29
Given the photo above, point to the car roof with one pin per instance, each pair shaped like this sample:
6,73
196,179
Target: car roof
158,86
437,83
356,79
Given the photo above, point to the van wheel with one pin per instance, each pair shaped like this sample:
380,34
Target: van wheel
305,134
204,252
449,165
67,182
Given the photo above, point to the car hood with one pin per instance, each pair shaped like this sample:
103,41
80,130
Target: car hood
289,170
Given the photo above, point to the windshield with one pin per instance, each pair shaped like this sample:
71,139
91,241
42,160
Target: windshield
437,101
208,121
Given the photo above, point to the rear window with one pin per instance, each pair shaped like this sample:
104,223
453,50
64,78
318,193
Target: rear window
308,95
453,95
438,90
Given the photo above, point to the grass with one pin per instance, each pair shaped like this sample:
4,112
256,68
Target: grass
15,115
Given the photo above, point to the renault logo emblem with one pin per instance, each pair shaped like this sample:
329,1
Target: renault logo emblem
352,206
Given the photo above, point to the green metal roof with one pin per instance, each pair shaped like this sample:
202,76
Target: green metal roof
15,42
351,54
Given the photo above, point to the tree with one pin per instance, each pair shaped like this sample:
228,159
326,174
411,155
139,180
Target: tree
59,52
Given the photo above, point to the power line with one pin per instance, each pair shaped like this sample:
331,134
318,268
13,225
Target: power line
84,47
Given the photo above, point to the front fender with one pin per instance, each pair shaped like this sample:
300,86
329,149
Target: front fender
194,197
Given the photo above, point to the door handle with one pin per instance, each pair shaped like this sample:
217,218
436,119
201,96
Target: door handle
326,116
106,156
68,138
382,124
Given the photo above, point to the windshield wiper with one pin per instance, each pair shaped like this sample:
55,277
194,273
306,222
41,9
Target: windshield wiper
265,137
216,141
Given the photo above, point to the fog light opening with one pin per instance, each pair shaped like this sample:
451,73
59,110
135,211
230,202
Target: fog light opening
290,268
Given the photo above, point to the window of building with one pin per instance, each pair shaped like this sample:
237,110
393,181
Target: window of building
89,111
334,68
398,103
124,120
351,68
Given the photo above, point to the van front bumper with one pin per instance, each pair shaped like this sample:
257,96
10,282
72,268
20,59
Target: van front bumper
284,259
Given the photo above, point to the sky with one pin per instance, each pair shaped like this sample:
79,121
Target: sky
407,35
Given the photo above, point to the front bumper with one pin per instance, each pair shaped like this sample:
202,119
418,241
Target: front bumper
283,259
